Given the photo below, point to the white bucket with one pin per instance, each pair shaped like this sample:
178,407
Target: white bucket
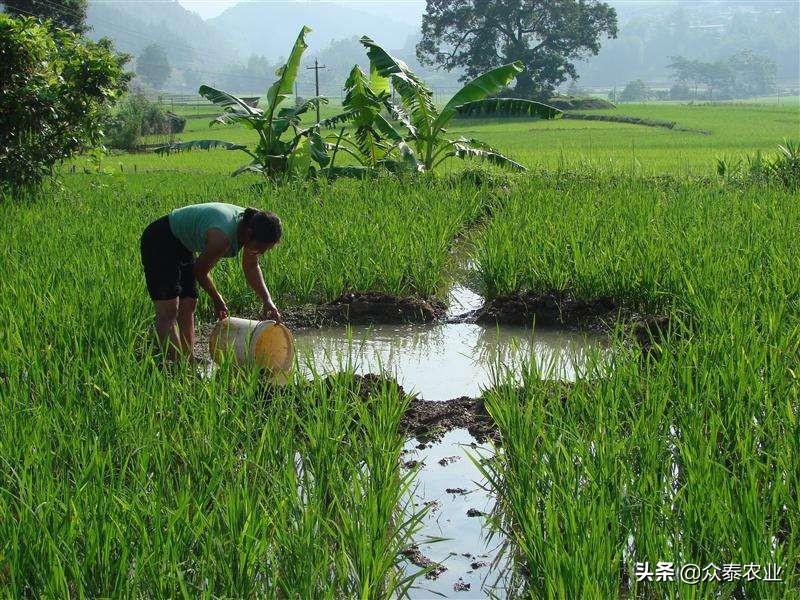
265,344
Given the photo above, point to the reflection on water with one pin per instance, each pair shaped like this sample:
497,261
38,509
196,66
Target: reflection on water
462,300
468,553
443,361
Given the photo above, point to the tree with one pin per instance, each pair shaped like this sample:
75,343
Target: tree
70,14
743,75
56,89
635,91
545,36
754,74
153,66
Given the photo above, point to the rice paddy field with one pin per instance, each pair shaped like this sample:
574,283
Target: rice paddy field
707,132
125,477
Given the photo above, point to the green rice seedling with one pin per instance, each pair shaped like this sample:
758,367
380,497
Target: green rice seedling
686,456
123,475
573,145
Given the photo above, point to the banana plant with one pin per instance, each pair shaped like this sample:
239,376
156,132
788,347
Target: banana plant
277,151
425,124
374,143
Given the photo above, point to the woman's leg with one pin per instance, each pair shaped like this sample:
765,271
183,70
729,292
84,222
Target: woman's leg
166,326
186,307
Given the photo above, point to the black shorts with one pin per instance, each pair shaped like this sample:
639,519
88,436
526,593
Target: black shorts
168,264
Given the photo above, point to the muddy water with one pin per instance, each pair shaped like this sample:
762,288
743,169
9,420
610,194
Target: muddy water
449,483
443,361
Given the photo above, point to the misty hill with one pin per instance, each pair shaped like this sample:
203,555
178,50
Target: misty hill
270,28
239,49
340,56
195,49
650,32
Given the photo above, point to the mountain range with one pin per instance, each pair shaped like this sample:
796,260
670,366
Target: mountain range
239,48
270,28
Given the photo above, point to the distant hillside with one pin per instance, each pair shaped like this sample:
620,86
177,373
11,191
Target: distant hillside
651,32
270,28
196,50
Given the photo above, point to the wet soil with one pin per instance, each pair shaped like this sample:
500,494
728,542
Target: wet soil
557,309
416,557
430,419
426,420
362,308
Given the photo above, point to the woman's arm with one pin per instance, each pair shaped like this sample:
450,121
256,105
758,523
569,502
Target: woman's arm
255,279
217,245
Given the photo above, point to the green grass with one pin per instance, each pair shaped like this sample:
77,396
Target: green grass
390,236
635,149
689,456
736,129
121,478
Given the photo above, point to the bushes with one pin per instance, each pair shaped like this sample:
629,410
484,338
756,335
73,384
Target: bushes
137,116
576,103
635,91
784,168
680,91
56,90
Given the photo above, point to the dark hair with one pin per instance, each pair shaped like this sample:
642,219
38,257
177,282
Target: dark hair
265,225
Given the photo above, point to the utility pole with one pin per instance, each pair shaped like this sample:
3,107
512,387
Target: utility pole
316,68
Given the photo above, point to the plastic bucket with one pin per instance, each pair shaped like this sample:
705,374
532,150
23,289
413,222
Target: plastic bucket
264,344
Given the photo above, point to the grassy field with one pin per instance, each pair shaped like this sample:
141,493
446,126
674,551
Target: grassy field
122,478
690,457
118,476
735,129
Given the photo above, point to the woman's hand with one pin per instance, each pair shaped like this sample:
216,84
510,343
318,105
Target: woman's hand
221,309
271,311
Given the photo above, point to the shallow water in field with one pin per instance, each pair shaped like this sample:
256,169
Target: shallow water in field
451,486
443,361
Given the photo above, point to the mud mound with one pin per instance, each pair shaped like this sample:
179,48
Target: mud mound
361,308
551,308
564,310
430,420
364,386
424,419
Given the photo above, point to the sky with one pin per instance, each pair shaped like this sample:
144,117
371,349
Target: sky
211,8
207,8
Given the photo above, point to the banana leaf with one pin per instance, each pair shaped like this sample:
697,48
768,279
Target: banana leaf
299,159
229,117
279,126
303,108
419,101
377,82
318,148
463,149
413,92
386,128
399,114
360,98
344,117
228,101
484,85
510,107
254,167
287,73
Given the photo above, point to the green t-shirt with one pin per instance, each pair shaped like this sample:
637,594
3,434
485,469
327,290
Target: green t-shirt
190,223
